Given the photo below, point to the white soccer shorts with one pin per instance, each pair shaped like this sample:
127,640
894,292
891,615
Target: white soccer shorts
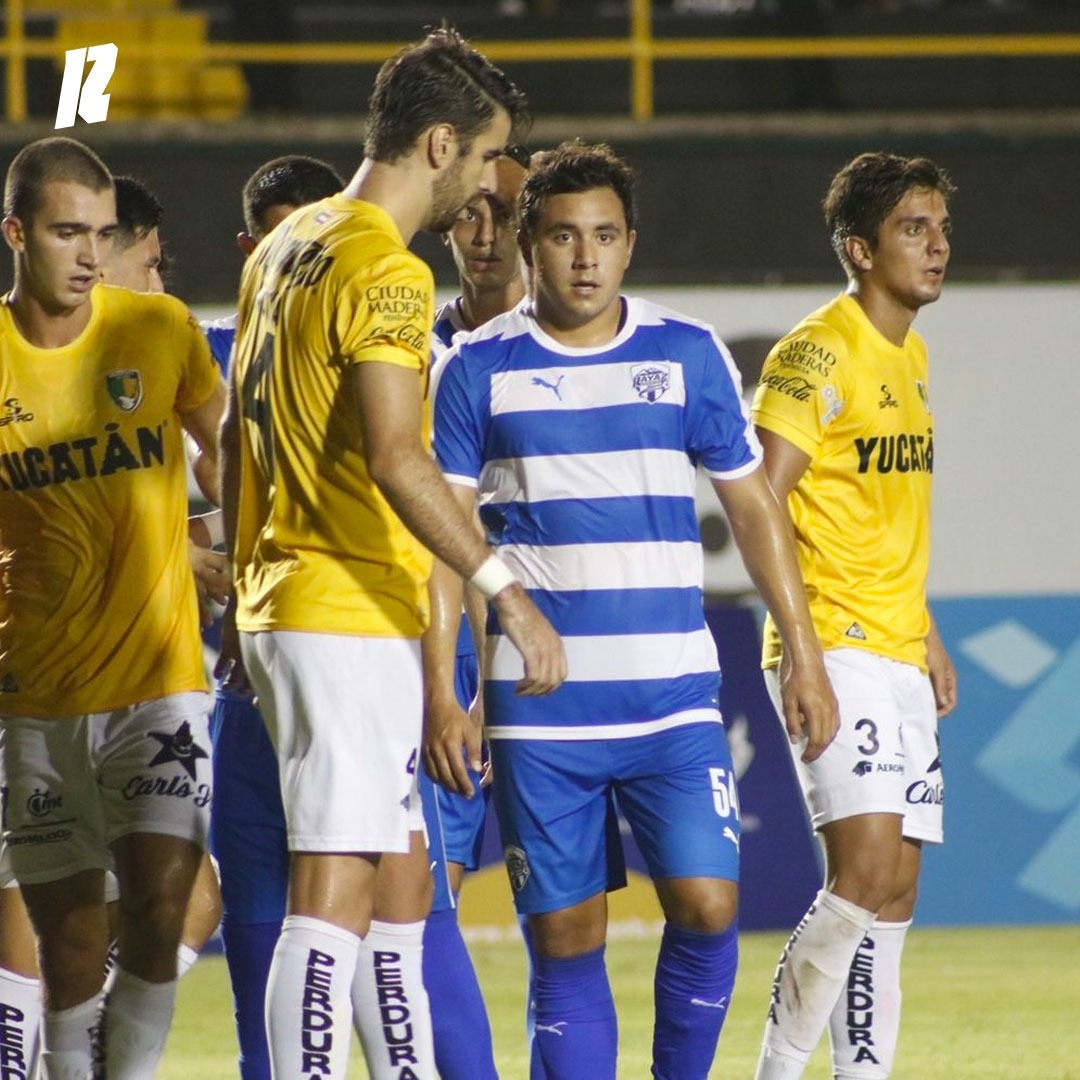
76,784
885,757
344,714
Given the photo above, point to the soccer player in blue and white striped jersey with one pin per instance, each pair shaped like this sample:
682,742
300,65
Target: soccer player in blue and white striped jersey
577,421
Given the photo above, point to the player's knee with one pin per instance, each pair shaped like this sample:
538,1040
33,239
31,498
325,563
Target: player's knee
704,905
869,886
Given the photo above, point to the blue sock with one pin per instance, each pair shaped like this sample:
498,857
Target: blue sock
576,1032
536,1062
249,948
459,1021
695,974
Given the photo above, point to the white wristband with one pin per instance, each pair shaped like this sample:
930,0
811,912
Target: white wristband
492,577
215,526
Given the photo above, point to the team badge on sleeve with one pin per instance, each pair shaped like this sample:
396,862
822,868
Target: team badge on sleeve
125,388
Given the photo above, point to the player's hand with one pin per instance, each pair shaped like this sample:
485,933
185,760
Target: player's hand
212,579
810,709
535,638
449,730
942,673
229,669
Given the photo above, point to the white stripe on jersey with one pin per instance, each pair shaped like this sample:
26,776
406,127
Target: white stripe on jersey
570,567
590,386
621,474
616,657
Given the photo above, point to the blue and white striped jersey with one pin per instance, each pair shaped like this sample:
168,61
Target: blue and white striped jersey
448,322
584,464
221,333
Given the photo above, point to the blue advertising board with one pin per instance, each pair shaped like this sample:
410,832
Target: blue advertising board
1011,759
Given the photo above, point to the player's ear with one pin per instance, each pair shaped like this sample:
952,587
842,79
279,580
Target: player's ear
525,246
859,253
631,239
440,145
245,242
13,233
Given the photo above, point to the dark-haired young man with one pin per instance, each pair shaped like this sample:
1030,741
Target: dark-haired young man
135,260
575,421
102,690
852,454
332,506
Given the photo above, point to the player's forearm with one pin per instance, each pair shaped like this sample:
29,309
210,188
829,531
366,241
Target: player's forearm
439,643
762,531
476,612
419,495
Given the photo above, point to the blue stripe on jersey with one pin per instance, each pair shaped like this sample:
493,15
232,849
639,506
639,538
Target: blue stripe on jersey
594,431
623,611
604,521
584,704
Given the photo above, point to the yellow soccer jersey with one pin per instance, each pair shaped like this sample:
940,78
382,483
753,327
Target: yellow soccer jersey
97,601
318,547
859,406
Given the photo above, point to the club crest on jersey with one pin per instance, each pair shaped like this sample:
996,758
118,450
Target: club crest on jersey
651,381
517,866
924,394
125,388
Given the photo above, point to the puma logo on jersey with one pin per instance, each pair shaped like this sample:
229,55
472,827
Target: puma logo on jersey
553,387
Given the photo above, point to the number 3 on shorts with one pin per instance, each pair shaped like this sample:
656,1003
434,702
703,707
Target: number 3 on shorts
725,797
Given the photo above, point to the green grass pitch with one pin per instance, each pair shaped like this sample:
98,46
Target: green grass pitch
979,1004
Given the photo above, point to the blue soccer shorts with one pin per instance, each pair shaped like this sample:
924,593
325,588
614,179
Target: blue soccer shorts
247,820
556,802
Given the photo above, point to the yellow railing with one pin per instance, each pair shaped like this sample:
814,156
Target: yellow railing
640,48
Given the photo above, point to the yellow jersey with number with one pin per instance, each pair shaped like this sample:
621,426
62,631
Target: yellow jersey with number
97,599
859,406
318,547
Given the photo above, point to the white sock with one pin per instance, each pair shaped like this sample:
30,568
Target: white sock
66,1052
390,1005
308,999
808,981
185,960
137,1021
20,1024
865,1024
